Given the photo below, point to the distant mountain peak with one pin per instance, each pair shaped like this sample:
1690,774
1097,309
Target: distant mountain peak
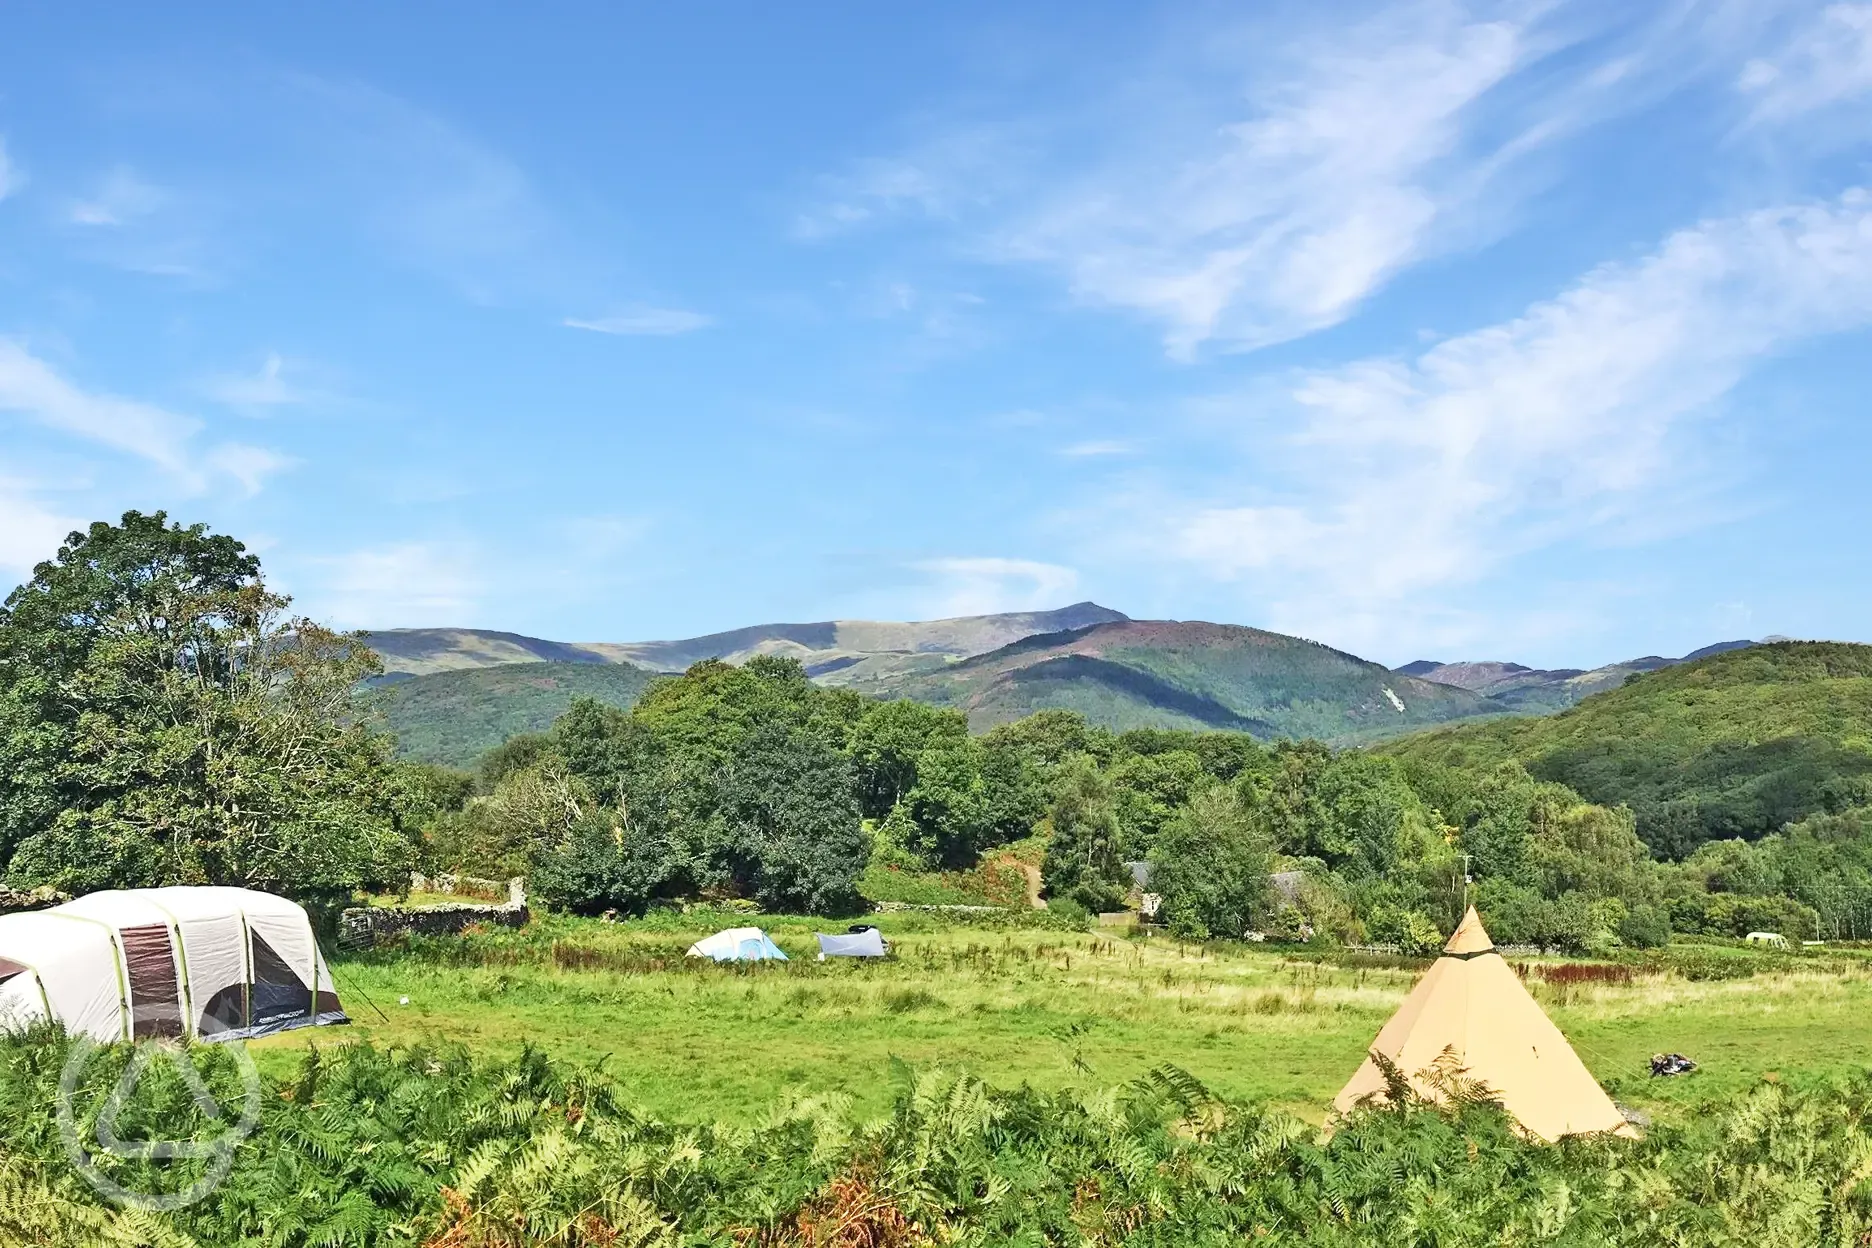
1722,647
832,649
1526,689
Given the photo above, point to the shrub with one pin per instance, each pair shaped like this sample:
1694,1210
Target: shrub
1645,927
1410,930
1731,914
1289,926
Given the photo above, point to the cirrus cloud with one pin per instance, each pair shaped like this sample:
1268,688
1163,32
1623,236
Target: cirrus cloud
1405,476
652,322
989,585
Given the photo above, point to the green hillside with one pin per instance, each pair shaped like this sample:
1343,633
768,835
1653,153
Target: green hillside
453,716
1737,744
1172,674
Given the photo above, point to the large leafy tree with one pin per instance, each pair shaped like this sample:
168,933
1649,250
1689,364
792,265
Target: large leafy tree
786,829
1082,864
1210,865
951,817
725,781
163,721
710,709
1150,789
888,741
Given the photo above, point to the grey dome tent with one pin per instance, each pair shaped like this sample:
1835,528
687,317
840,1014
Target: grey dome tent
868,943
179,963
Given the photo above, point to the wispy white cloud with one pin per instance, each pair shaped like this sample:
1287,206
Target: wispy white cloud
1826,62
11,179
29,531
985,585
1088,450
247,466
655,322
263,389
122,198
1255,209
1246,183
327,154
400,585
948,174
1408,476
31,387
1331,178
439,197
34,389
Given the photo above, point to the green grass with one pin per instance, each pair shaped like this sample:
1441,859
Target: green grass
1050,1008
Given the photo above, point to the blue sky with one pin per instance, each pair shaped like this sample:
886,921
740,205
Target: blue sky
1533,331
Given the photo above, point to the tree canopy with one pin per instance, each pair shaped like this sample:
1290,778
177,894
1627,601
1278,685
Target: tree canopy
163,721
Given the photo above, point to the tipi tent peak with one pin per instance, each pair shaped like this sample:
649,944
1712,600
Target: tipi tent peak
182,963
1471,1011
1470,937
738,944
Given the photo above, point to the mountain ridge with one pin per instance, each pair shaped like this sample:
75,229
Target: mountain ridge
1534,690
828,645
448,693
1187,674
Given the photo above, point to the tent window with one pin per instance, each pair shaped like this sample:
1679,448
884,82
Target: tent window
9,968
225,1011
155,996
278,992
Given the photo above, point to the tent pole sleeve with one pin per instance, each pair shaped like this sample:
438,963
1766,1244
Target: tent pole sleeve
246,971
45,998
312,991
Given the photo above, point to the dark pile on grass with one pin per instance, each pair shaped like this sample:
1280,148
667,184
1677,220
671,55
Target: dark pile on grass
430,1147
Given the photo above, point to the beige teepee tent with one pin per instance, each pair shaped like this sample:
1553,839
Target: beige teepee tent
1472,1004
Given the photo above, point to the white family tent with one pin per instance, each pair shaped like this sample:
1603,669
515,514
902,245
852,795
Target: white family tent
1472,1007
183,963
868,943
738,944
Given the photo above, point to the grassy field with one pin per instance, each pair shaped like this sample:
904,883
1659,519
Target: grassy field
693,1040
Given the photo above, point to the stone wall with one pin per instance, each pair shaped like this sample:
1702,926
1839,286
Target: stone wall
366,927
12,902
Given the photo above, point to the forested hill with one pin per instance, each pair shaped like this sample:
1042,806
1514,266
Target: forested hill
1734,745
1178,674
455,717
